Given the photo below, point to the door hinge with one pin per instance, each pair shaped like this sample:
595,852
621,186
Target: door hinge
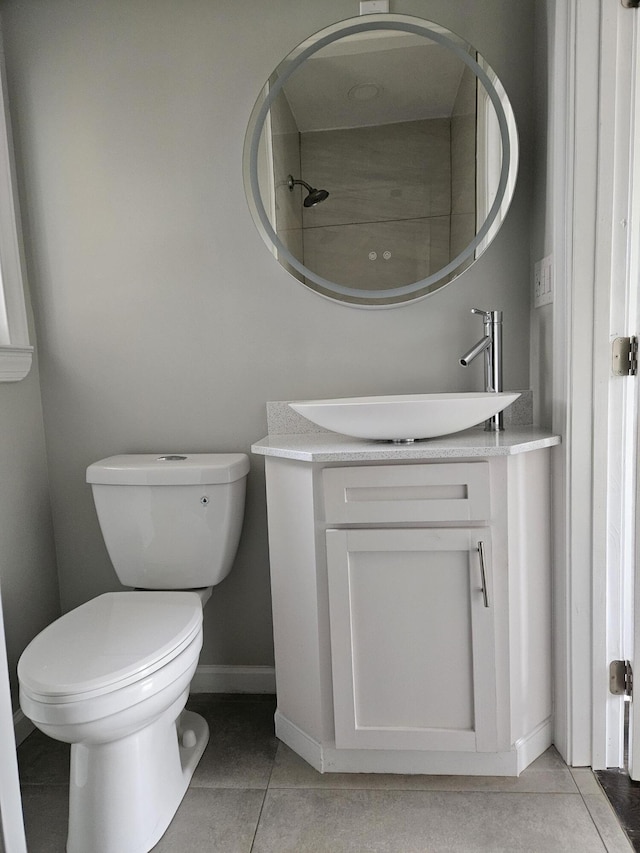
630,4
620,678
624,356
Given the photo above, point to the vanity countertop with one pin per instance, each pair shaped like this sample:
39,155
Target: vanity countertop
332,447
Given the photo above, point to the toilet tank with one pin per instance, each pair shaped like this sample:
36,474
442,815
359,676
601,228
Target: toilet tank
170,521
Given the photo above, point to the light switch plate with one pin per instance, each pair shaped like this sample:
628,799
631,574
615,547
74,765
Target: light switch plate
543,284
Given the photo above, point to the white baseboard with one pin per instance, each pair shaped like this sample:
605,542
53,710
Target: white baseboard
531,746
300,742
325,758
234,679
22,727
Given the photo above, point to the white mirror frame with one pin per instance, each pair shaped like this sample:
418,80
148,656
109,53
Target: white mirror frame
15,351
390,297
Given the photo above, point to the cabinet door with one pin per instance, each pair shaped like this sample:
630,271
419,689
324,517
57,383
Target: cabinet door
412,639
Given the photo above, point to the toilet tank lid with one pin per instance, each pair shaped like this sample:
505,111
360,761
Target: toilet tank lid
172,469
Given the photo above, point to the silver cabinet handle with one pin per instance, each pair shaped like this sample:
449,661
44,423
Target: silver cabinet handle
483,574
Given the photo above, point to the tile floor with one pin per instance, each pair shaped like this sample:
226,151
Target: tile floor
251,794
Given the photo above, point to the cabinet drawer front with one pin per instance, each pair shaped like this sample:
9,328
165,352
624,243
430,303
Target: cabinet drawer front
455,491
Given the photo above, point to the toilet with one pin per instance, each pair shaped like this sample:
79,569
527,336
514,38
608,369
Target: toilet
112,676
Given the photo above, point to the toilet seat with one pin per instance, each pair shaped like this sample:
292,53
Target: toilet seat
107,643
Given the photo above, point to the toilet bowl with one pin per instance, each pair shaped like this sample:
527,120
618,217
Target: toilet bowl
112,676
91,680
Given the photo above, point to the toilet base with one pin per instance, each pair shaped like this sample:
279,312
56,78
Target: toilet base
123,794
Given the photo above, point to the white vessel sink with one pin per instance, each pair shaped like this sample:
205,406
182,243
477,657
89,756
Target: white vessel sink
404,417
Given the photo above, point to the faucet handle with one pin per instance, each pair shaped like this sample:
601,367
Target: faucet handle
488,316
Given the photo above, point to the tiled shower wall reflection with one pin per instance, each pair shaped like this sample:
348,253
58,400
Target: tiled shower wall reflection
402,196
386,221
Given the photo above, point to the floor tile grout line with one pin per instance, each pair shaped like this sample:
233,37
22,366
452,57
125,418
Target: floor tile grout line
595,824
266,791
384,790
255,831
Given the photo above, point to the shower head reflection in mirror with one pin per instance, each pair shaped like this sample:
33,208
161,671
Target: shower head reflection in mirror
314,196
413,133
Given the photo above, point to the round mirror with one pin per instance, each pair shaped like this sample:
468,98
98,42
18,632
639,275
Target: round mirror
380,159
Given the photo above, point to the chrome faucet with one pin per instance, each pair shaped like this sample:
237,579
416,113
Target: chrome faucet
491,345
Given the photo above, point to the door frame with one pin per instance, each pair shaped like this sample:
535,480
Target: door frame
631,612
573,132
615,404
592,100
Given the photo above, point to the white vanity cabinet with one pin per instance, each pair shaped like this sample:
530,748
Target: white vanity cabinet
411,604
411,609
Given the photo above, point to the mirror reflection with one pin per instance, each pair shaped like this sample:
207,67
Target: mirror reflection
381,160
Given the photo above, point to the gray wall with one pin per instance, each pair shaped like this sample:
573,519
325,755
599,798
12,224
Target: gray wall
28,579
163,322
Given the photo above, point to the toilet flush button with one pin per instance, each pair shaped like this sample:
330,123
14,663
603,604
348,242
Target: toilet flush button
189,739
